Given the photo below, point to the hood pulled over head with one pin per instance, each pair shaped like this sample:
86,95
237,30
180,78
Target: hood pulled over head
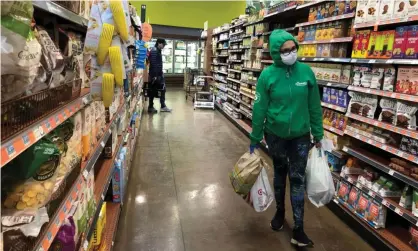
277,39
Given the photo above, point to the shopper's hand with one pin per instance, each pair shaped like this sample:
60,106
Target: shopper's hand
318,144
253,147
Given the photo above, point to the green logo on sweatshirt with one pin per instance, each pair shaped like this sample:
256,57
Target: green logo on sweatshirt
257,98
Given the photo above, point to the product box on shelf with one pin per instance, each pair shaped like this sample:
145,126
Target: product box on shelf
361,44
117,180
386,10
402,81
353,197
401,40
86,131
337,141
100,225
361,11
374,45
334,163
401,9
411,50
350,6
385,49
343,190
91,203
326,97
346,74
372,12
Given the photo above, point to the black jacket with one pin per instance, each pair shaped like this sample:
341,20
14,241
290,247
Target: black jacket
156,63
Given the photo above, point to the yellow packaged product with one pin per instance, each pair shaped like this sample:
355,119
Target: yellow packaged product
116,64
108,88
101,223
119,18
104,43
86,132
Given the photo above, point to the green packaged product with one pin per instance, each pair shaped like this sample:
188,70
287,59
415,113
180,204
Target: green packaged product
66,129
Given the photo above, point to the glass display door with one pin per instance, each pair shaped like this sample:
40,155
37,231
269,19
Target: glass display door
179,56
167,54
192,56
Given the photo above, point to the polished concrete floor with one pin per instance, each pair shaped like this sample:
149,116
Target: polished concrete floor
179,196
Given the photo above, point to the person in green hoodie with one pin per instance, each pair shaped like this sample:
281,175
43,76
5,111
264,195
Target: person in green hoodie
287,109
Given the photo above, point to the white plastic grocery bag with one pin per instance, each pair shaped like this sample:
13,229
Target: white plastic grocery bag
319,184
261,193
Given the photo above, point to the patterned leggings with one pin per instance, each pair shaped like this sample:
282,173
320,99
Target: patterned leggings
290,156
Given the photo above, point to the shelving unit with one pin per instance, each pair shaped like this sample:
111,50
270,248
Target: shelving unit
357,135
85,137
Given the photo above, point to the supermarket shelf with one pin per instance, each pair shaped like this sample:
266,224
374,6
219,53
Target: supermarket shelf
236,25
234,80
384,147
220,64
246,114
339,154
235,50
248,95
388,94
388,202
387,126
330,19
247,83
334,130
380,163
221,80
334,60
223,40
15,145
224,31
246,36
236,100
60,11
395,237
222,56
334,107
221,88
235,60
252,69
334,40
267,61
236,40
331,84
62,213
309,3
222,72
233,91
233,70
386,22
254,22
384,61
235,33
246,105
112,219
280,12
222,48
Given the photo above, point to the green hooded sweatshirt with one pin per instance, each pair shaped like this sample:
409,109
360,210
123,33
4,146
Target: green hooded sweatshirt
287,102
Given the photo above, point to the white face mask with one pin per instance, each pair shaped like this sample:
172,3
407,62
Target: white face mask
291,58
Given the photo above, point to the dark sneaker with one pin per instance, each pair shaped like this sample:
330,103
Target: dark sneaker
300,239
278,220
152,110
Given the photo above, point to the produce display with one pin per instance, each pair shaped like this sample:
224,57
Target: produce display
66,94
363,56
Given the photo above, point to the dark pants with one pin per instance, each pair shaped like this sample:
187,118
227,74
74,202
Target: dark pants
155,87
290,156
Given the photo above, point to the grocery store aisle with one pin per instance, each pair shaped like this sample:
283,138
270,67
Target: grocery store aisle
179,196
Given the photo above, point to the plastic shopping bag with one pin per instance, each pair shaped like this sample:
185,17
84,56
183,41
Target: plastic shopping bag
246,171
261,195
319,184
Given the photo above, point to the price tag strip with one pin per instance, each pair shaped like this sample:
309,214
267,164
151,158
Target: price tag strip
16,145
387,148
334,107
334,130
350,15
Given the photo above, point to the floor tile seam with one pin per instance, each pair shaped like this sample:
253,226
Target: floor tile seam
175,189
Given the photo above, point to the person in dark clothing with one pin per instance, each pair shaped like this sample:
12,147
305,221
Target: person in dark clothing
156,76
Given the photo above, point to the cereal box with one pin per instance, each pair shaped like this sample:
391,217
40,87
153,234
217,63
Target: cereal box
412,8
372,51
350,6
411,50
346,74
401,39
334,94
342,98
413,88
361,11
401,9
386,44
356,44
386,9
372,11
326,97
402,81
364,43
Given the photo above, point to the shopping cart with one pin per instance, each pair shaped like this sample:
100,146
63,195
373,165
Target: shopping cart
191,86
203,98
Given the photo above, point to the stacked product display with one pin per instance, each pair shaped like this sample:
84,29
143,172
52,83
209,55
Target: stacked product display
71,109
363,54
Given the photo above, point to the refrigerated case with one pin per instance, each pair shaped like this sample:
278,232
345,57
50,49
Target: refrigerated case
179,55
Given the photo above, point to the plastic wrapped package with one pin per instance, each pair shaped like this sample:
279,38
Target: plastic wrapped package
94,29
116,63
108,89
96,77
86,132
104,43
20,228
120,19
64,240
